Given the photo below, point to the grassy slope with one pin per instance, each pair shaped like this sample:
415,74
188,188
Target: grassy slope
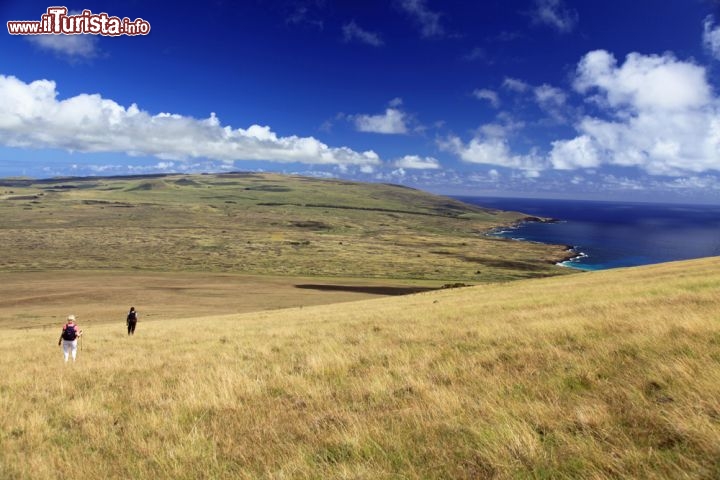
38,299
610,374
258,224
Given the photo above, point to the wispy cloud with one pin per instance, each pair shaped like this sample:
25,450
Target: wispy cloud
552,100
70,47
427,20
306,13
31,116
487,94
506,36
476,54
548,95
353,33
515,85
554,14
711,36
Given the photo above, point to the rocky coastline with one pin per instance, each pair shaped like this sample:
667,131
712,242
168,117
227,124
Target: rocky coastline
571,252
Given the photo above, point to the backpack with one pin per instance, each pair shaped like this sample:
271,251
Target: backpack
69,332
131,317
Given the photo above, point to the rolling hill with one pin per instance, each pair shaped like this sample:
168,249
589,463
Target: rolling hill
612,374
251,223
272,344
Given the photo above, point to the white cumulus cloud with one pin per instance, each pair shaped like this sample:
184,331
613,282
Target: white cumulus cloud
393,121
579,152
417,162
644,82
659,115
492,150
31,116
654,113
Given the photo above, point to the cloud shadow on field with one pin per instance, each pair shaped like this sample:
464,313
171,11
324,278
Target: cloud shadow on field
375,290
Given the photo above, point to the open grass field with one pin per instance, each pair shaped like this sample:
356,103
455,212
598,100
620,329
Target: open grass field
259,224
612,374
42,299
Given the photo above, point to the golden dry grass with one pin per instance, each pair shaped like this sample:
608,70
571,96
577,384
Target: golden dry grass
609,374
41,299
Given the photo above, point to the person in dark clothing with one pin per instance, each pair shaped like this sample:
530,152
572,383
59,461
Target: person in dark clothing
132,321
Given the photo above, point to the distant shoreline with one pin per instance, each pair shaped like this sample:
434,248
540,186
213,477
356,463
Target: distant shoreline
573,254
608,235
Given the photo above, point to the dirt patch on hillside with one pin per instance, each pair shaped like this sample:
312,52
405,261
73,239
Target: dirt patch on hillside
37,299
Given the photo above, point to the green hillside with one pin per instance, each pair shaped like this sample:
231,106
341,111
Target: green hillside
258,224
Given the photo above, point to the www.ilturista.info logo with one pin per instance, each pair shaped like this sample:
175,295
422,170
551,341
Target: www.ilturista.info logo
57,21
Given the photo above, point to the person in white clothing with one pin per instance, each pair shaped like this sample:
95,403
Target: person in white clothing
69,338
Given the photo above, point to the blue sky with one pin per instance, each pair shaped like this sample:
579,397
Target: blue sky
538,98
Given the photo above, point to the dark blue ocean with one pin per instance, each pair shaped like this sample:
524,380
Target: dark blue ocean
616,234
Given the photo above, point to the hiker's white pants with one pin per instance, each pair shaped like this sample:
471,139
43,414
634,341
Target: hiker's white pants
69,348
